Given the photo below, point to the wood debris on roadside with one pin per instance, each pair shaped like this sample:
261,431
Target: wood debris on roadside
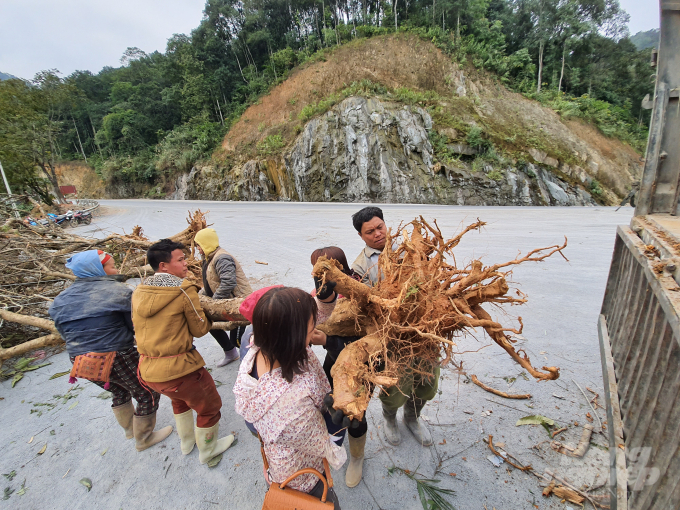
580,449
559,431
499,393
33,273
563,493
557,486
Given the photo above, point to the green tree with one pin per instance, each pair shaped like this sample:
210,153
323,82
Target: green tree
33,121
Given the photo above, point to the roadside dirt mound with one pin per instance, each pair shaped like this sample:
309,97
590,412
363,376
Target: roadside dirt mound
614,150
88,184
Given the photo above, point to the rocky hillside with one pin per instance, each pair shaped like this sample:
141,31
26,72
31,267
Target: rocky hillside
393,119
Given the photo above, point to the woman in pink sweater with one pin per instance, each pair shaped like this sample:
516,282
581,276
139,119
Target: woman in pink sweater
281,386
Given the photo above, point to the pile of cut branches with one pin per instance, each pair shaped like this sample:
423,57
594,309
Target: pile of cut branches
410,319
33,272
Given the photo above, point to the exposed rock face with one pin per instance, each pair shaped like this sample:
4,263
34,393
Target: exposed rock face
364,150
367,150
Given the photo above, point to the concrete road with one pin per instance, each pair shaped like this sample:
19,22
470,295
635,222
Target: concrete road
83,440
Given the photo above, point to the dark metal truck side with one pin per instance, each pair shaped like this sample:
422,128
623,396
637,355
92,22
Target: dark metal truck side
639,325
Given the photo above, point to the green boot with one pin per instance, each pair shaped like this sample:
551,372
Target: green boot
390,427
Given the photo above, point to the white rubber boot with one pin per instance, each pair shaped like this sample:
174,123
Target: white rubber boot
124,414
185,430
144,433
208,444
390,426
229,356
356,460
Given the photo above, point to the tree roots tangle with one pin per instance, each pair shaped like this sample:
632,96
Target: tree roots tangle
410,318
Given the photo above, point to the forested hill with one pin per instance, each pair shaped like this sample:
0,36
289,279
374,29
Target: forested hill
5,76
160,114
648,39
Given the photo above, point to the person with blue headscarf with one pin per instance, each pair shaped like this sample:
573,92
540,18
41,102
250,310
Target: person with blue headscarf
94,317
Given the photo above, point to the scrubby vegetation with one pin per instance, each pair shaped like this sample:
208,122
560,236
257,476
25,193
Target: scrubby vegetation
612,120
161,113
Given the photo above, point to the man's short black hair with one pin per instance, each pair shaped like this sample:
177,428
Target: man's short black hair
162,252
280,321
366,214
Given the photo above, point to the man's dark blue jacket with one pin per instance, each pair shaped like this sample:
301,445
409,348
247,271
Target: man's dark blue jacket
94,315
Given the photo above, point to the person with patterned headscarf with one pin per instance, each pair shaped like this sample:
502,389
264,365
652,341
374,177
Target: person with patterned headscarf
93,316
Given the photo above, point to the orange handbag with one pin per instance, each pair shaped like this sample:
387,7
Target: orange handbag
280,497
93,366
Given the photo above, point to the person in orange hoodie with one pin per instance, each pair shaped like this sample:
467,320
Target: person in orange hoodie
167,315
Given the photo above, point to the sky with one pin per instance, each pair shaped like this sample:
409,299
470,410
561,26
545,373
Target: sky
644,14
71,35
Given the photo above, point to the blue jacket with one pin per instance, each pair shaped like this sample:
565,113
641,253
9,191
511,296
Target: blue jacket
94,315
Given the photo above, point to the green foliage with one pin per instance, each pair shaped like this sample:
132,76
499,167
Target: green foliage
364,88
526,169
270,145
596,189
475,138
185,145
32,117
440,145
155,192
359,88
284,60
478,165
537,419
140,167
314,109
371,31
431,496
612,120
410,96
496,175
648,39
412,291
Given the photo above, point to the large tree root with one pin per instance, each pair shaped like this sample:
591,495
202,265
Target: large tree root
414,313
31,345
27,320
352,379
499,393
222,310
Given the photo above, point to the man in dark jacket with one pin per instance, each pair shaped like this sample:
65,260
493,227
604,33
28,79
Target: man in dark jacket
93,315
223,278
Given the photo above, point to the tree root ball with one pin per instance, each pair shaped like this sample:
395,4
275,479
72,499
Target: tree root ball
413,314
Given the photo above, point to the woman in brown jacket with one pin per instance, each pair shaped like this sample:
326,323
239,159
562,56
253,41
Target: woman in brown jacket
167,315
